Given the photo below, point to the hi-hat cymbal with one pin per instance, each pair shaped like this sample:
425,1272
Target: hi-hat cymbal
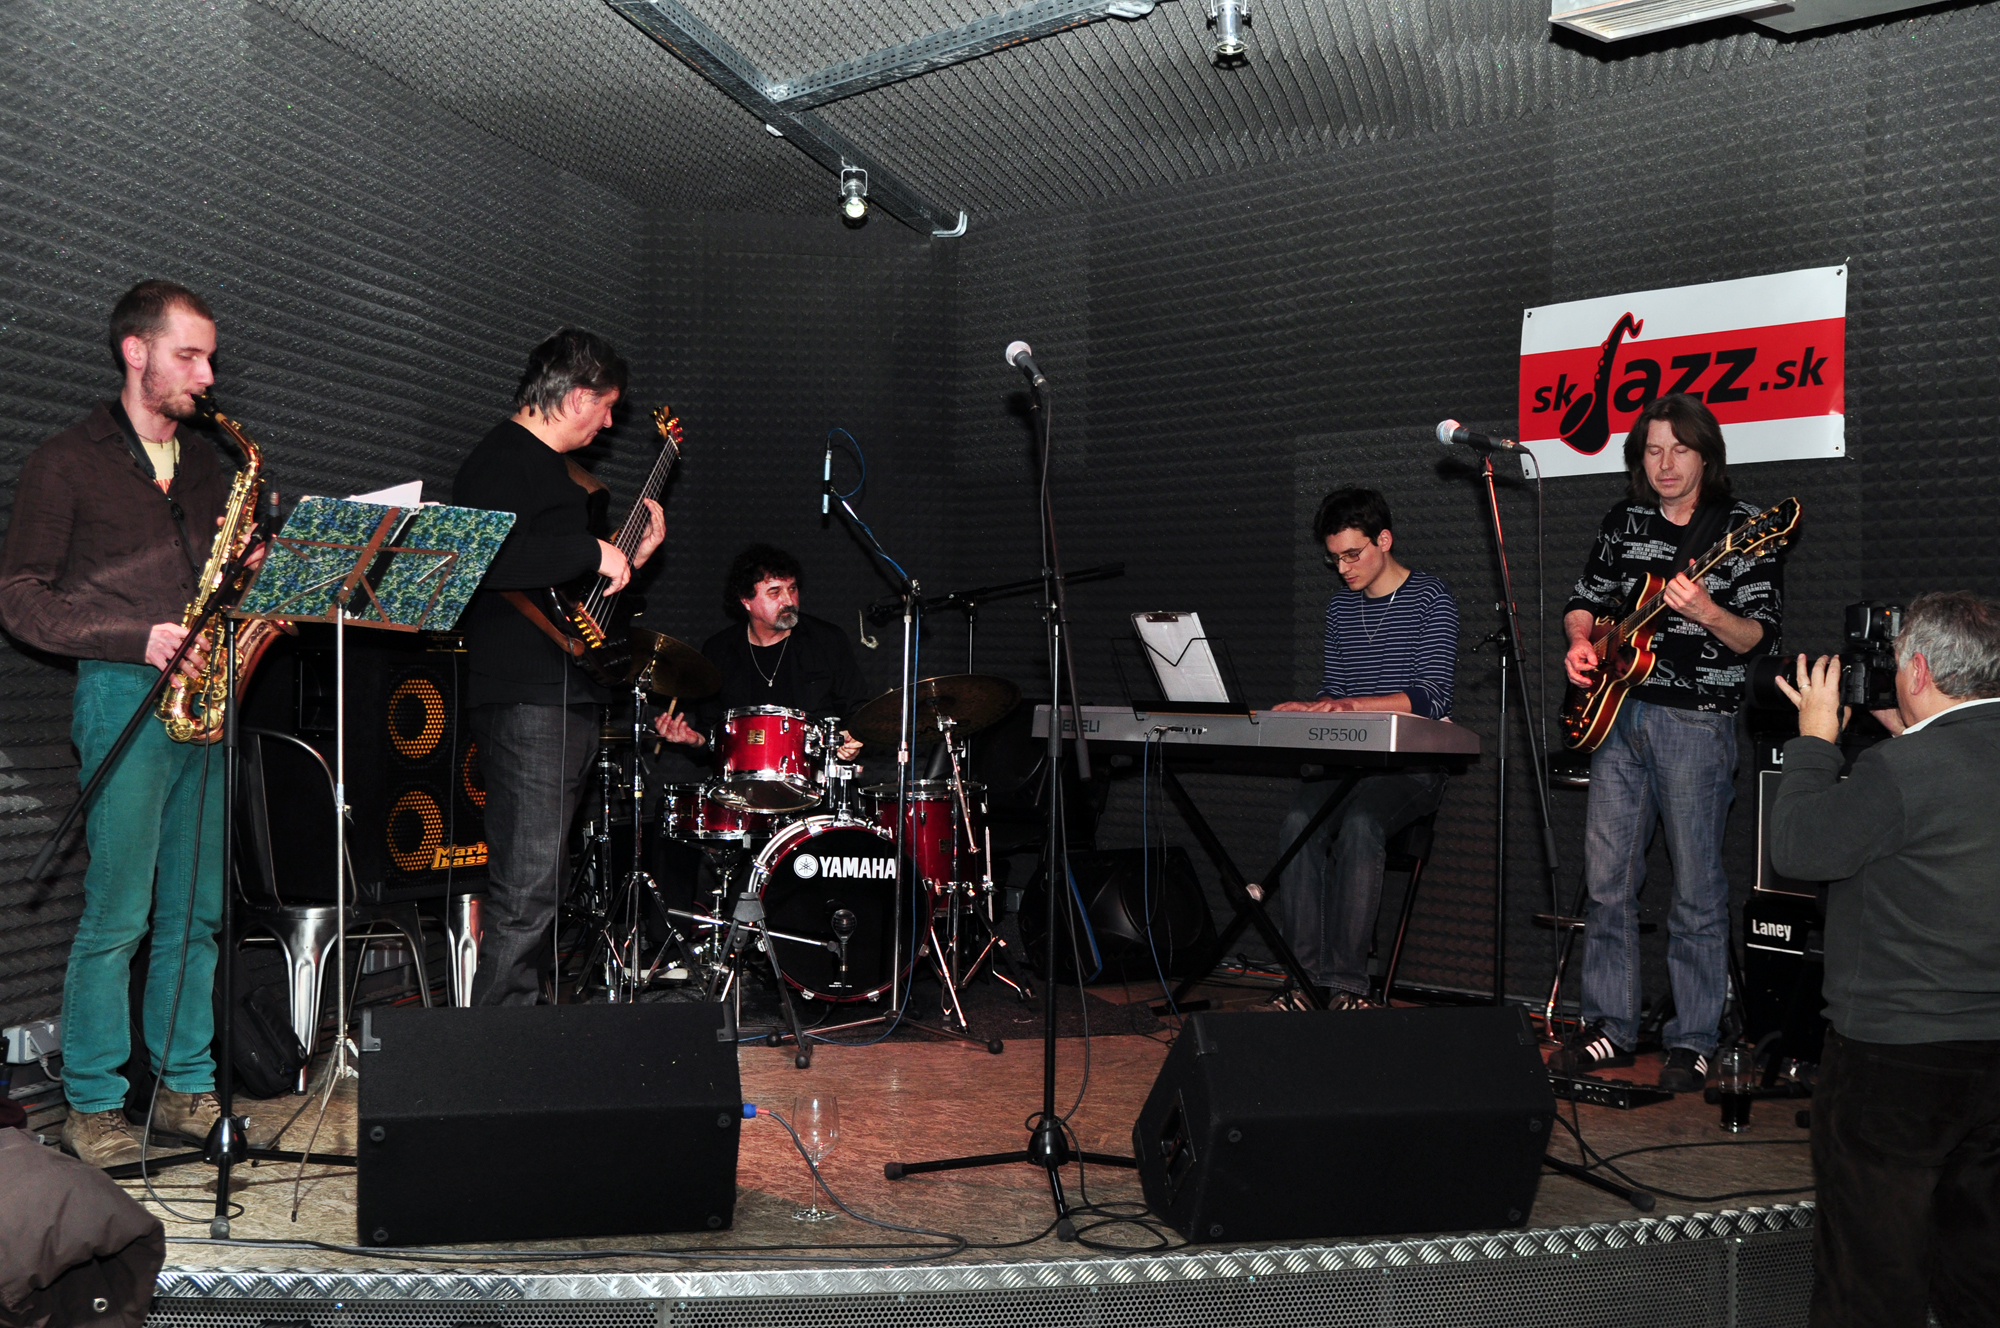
969,701
678,668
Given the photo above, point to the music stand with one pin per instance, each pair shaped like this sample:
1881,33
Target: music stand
416,568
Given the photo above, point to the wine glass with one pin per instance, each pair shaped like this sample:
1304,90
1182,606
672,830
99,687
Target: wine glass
816,1117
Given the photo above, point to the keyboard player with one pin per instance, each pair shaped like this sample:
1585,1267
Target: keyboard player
1391,644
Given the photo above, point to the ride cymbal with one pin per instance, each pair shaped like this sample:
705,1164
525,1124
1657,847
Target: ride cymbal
969,701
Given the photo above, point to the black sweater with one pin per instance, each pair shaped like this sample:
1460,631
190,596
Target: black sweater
509,658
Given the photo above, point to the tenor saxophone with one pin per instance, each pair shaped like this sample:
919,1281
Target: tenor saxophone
193,709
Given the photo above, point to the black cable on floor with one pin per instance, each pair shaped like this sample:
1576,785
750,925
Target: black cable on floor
1602,1163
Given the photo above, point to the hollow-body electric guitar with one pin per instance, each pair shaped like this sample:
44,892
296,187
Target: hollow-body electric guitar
1624,643
579,615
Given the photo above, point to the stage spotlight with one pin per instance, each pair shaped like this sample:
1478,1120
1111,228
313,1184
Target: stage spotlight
1229,16
853,195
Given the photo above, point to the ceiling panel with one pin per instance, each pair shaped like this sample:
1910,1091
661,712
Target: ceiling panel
1087,114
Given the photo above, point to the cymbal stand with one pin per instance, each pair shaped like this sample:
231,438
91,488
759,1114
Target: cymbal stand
624,979
975,897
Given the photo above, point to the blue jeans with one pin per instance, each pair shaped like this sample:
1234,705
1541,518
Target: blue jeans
534,758
1677,767
155,829
1329,918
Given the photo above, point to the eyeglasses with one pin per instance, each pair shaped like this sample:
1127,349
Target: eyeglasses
1346,558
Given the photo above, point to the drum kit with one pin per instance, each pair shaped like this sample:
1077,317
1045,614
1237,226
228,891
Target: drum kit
805,858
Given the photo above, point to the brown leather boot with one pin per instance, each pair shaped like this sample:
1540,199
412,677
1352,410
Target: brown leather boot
100,1138
189,1116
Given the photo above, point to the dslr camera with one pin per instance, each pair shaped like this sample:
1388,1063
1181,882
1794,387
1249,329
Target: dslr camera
1868,657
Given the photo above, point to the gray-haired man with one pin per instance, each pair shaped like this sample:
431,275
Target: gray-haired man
1906,1113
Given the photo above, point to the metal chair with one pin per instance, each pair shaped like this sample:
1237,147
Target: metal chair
1406,851
307,932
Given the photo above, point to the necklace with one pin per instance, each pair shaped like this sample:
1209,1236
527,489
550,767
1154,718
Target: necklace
1366,630
771,678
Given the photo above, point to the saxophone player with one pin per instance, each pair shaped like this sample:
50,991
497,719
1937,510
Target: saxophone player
111,526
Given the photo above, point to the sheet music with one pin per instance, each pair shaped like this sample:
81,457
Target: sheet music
1179,652
409,494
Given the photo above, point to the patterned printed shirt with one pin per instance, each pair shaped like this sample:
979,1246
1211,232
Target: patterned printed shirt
1403,642
1694,671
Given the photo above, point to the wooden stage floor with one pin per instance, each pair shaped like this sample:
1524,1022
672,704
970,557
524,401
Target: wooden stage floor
907,1101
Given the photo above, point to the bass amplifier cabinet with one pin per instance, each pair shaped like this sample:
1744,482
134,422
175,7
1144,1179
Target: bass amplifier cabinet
1346,1123
413,776
545,1122
1784,966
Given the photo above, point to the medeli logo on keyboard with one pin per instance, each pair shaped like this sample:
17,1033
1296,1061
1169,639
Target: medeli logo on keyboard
1338,734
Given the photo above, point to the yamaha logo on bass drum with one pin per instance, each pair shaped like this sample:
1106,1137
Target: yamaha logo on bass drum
806,866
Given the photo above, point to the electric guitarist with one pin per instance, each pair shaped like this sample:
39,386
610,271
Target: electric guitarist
533,712
1670,754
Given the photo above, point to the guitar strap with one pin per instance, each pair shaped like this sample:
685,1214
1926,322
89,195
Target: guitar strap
567,644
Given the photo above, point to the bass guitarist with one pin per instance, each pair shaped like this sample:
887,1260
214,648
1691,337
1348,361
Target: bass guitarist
1671,752
534,712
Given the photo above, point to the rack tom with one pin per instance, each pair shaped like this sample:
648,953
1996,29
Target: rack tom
768,763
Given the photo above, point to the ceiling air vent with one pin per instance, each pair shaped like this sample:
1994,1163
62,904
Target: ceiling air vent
1615,20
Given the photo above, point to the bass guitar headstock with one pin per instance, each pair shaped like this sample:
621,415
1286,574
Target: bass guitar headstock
1768,530
669,425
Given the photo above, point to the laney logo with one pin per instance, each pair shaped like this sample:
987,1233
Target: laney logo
806,866
1781,930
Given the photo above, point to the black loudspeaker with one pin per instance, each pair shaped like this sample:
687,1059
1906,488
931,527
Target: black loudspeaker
1118,899
413,774
1346,1123
545,1122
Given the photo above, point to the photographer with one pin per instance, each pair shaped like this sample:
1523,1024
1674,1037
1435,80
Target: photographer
1906,1113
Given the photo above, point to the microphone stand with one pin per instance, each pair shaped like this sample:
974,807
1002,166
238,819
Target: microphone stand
1509,646
1048,1139
907,881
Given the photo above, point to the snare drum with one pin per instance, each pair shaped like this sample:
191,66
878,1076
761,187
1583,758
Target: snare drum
767,761
834,880
939,845
692,813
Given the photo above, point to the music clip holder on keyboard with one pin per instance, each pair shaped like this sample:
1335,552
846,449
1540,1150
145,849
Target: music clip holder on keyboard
1190,673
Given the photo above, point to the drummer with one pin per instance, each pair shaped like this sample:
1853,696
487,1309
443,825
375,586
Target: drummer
776,657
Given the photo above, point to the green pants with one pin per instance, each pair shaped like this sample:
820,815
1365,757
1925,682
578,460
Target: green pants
155,836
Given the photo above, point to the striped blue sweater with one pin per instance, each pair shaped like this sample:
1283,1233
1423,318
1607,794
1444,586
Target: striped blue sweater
1404,642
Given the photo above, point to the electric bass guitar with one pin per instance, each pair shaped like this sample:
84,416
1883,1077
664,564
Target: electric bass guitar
1624,644
578,616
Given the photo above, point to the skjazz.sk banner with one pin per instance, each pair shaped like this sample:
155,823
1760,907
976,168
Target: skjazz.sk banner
1766,353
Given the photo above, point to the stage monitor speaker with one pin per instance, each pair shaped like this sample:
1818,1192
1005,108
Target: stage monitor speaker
545,1122
1343,1123
1118,897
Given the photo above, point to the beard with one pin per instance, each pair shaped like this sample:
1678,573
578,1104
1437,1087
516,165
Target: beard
786,620
158,396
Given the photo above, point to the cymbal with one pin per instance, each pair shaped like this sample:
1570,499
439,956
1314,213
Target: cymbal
971,701
678,668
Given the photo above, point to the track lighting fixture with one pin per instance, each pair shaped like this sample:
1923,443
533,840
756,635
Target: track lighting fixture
1228,18
853,195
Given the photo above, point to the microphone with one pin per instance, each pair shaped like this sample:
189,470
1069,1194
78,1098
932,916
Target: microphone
1022,356
1451,431
826,487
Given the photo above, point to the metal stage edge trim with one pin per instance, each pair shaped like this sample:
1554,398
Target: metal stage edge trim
211,1284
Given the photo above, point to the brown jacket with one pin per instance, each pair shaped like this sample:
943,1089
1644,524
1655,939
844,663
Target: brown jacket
75,1249
95,553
